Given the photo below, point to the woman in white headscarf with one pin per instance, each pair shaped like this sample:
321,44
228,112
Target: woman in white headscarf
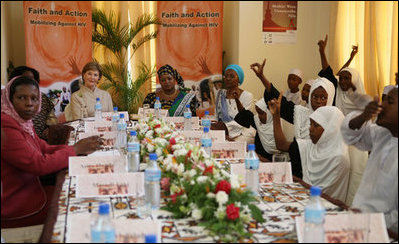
265,146
324,157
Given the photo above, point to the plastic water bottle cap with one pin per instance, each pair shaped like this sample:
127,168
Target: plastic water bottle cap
153,156
97,99
157,98
206,129
251,147
122,116
187,105
315,191
150,238
103,208
115,108
133,133
206,112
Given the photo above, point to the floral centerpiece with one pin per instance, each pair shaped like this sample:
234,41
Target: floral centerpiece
196,185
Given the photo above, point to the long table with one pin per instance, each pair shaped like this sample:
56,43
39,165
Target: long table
280,204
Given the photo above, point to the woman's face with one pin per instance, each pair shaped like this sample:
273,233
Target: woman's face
231,79
318,98
315,131
167,82
26,101
345,80
91,78
293,82
305,92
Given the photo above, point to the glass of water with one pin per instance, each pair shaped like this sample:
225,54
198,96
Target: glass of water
279,157
146,108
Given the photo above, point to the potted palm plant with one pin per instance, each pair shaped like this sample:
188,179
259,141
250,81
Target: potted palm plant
116,39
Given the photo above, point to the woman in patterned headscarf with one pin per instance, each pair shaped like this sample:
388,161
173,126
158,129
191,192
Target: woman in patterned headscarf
175,100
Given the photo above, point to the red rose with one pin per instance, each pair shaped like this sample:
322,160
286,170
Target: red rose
174,196
223,185
232,212
172,141
208,170
165,183
157,126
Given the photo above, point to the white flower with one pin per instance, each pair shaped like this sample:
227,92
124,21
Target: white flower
210,195
197,214
180,152
202,179
149,134
180,169
220,212
192,182
150,147
234,181
159,151
222,197
192,173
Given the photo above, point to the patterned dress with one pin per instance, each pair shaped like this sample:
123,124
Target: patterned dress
170,104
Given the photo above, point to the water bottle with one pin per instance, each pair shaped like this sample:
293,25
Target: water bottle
121,138
97,110
187,117
205,121
157,108
251,168
102,228
314,217
152,176
150,238
133,153
115,119
206,141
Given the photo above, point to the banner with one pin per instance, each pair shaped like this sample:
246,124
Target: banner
190,40
58,44
279,21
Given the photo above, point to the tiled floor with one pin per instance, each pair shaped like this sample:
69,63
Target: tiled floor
30,234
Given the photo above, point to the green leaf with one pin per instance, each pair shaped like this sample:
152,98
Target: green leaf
256,213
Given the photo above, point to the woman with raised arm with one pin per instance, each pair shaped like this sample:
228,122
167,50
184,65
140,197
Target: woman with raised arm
323,157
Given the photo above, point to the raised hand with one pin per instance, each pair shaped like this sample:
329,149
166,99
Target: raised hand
204,67
322,44
275,104
354,51
372,109
258,68
74,66
88,145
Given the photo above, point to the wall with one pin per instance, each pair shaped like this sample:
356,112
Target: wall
313,25
242,41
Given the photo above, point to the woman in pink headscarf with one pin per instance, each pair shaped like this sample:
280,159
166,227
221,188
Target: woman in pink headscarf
25,157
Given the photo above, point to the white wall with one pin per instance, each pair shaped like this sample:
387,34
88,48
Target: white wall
313,25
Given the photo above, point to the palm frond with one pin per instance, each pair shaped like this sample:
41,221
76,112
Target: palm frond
143,40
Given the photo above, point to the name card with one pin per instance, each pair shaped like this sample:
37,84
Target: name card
194,136
107,116
98,126
109,139
350,227
102,185
268,172
179,122
148,111
127,230
96,165
229,149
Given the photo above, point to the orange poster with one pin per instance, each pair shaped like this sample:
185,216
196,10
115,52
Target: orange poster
57,41
190,40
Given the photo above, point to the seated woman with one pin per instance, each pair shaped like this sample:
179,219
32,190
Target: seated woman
83,101
172,99
324,158
226,106
265,146
25,157
46,117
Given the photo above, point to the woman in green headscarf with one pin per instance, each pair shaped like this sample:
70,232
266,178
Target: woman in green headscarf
175,100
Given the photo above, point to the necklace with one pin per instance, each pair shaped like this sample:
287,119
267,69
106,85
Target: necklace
167,96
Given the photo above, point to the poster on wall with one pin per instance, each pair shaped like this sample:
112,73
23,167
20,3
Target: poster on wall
279,22
190,40
58,44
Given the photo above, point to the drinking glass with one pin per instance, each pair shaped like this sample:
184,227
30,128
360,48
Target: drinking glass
279,157
146,107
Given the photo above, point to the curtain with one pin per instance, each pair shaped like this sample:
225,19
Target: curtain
373,25
128,12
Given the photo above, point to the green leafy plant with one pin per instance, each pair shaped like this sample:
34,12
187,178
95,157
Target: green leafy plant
116,39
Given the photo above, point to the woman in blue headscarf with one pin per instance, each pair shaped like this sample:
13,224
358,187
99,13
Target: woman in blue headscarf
228,102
